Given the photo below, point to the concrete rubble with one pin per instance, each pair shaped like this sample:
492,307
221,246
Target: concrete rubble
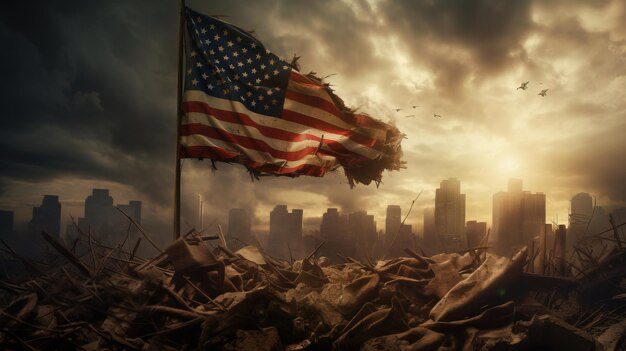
197,294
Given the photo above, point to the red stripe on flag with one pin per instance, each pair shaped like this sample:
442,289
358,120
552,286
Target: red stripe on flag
212,152
330,107
296,117
246,142
217,153
322,104
300,78
270,132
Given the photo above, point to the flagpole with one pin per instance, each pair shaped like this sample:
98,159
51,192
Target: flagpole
179,116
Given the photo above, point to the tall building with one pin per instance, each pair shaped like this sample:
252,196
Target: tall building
431,245
334,231
133,209
476,232
104,221
285,230
119,226
450,215
47,217
334,225
98,208
362,231
239,224
6,223
393,220
580,214
518,217
297,217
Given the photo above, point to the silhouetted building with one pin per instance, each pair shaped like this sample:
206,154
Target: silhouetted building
239,224
98,208
362,226
132,209
476,232
285,231
6,223
362,232
580,215
393,220
431,245
47,217
297,216
334,225
518,217
97,219
450,215
104,221
334,230
119,225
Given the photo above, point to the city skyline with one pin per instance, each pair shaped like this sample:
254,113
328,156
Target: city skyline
260,222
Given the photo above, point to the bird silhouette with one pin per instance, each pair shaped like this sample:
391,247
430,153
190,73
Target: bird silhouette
523,86
398,109
436,115
543,93
409,116
414,106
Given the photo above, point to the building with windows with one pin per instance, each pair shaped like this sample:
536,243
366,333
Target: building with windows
450,215
518,217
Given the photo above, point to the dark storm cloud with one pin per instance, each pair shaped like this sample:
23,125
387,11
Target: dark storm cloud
83,91
490,30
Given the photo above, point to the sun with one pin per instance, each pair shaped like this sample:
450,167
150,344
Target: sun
509,166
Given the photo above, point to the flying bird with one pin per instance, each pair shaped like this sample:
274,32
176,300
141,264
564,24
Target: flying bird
409,116
398,109
436,115
523,86
543,92
414,106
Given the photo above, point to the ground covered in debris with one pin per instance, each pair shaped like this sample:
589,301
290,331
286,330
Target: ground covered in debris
198,295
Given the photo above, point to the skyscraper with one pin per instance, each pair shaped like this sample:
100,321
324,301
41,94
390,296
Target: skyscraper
518,217
239,225
47,217
362,229
393,220
118,225
98,208
334,225
104,221
580,214
450,215
285,230
334,231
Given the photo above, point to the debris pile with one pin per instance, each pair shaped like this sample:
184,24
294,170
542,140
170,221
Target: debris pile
199,295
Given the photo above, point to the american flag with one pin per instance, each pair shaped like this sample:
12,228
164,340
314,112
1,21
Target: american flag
243,104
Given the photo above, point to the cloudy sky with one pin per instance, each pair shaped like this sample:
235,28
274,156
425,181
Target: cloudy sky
88,100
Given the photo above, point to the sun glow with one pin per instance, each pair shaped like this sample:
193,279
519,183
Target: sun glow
509,166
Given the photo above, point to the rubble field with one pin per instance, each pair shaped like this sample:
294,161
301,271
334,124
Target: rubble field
199,295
